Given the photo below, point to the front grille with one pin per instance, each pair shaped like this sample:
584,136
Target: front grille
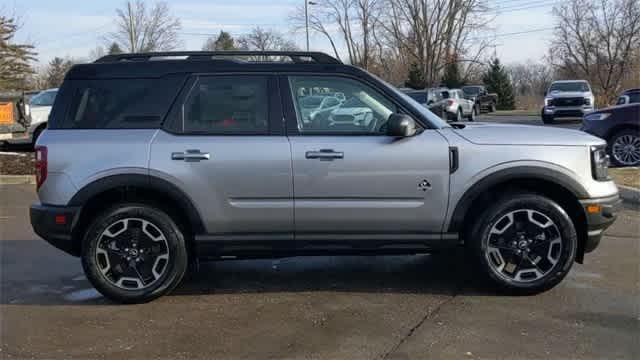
573,101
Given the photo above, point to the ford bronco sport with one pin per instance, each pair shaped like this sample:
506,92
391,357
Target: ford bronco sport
153,161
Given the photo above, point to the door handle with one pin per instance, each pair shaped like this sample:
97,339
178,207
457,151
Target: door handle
190,155
324,154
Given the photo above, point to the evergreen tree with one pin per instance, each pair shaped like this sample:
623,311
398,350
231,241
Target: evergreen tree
224,41
15,59
498,81
451,77
416,77
114,49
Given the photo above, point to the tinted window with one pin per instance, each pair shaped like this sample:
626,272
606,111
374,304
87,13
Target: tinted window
45,98
634,98
119,104
471,90
227,105
420,97
364,110
579,86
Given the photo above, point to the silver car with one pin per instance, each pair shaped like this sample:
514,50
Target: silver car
457,107
150,165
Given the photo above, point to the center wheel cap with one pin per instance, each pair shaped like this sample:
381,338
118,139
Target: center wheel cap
523,244
133,252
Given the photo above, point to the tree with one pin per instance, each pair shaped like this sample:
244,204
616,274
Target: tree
55,72
15,66
451,78
497,81
263,40
224,41
597,40
416,77
114,49
143,29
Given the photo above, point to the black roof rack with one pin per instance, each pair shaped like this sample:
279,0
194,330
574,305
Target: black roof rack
259,56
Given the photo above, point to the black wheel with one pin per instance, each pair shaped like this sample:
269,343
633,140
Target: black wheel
624,147
525,243
473,114
492,107
459,115
134,253
548,119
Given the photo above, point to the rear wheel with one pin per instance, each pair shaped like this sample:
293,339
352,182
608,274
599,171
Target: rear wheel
473,114
624,148
134,253
492,107
459,115
524,243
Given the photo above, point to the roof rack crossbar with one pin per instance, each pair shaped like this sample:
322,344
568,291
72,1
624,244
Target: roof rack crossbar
295,56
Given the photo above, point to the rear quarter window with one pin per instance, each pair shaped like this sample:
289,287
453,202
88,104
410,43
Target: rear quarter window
118,103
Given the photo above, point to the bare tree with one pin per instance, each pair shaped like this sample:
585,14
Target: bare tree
530,78
265,39
143,29
597,40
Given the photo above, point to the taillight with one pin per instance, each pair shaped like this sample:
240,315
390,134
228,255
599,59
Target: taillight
41,165
449,102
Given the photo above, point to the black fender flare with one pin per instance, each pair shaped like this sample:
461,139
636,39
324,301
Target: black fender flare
509,174
146,182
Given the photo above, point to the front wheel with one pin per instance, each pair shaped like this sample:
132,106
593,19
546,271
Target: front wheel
524,243
134,253
624,148
492,107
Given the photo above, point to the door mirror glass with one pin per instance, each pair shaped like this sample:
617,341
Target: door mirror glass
401,125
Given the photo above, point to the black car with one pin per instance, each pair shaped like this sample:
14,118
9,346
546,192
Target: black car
629,97
620,126
430,98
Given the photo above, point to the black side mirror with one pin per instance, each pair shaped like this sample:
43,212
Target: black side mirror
401,125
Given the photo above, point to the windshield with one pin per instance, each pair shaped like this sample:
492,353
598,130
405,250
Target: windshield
577,86
471,90
311,101
44,98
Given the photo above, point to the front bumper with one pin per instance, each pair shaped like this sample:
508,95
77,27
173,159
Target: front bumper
55,225
600,214
567,111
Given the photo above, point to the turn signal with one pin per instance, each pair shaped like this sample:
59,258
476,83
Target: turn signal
593,209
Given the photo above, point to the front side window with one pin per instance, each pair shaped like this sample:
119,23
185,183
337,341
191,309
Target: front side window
359,109
228,105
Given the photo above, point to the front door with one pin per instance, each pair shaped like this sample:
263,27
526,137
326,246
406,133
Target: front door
349,177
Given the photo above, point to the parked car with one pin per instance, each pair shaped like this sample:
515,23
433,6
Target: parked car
153,161
457,107
484,101
567,98
31,115
620,126
630,96
353,112
430,98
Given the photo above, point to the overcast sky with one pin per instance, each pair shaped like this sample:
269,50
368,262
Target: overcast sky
74,27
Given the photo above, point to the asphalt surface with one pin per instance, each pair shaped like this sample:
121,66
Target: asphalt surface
393,307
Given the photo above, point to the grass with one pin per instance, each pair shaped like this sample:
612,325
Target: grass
626,176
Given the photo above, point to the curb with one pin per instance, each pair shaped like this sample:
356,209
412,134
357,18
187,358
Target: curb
17,179
629,194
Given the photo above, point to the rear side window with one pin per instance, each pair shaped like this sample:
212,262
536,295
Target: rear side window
120,103
227,105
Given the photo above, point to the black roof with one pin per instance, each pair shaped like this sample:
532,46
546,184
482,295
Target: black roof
151,65
630,91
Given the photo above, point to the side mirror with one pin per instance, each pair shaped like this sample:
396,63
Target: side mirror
400,125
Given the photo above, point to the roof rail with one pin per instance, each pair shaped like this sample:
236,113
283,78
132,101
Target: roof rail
295,56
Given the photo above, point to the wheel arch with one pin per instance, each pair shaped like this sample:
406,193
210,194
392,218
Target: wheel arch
559,187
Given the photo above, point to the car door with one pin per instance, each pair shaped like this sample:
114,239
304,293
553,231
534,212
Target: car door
351,178
224,147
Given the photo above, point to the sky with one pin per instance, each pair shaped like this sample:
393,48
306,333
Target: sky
73,28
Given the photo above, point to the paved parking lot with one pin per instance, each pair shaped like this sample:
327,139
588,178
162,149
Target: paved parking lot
394,307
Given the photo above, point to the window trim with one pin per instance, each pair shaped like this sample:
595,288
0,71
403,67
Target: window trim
174,123
291,115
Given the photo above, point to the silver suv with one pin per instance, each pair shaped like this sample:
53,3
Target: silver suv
567,98
154,161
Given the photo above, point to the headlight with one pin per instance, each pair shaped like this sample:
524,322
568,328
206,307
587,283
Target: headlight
587,101
547,101
599,163
598,116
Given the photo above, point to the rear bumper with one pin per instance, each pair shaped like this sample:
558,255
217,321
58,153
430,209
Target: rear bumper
600,213
55,225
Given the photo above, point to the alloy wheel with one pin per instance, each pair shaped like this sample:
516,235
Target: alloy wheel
523,246
626,149
132,254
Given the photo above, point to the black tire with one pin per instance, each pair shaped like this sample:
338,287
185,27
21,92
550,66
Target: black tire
548,119
173,269
459,115
492,107
616,143
472,116
524,204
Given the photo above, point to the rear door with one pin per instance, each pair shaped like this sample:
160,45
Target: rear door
351,178
224,146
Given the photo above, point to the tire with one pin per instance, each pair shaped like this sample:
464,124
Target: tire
492,107
624,147
459,115
110,239
548,119
501,263
473,114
